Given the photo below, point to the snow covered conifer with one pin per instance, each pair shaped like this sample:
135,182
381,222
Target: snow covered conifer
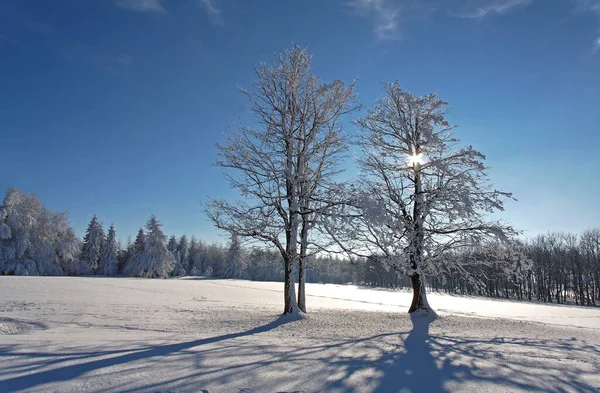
197,257
124,253
133,265
92,244
233,266
109,262
184,253
173,246
155,260
140,241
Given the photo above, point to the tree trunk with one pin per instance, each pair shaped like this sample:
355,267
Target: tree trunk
289,290
302,263
419,302
301,286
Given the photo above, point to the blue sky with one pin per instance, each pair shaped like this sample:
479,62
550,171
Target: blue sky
114,107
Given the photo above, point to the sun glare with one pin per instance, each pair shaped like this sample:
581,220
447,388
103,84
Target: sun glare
416,159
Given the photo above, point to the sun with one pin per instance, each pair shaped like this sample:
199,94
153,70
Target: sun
416,159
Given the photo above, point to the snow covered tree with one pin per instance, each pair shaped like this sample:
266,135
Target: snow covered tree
155,260
34,240
68,250
173,246
140,241
125,253
92,244
197,257
234,262
109,262
421,194
183,249
278,165
133,264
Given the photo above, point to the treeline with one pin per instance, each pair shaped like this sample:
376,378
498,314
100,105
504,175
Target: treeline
555,268
37,241
558,268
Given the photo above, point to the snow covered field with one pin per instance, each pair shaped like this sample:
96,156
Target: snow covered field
66,334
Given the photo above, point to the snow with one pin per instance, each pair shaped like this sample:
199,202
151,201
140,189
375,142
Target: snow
84,334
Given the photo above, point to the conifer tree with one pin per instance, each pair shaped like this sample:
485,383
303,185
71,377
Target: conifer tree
140,241
92,244
173,247
109,262
132,266
233,262
158,260
155,260
184,252
195,258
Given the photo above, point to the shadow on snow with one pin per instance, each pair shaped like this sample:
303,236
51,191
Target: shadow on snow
416,361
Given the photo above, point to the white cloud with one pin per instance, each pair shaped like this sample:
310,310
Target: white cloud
589,5
592,6
385,17
481,9
141,5
389,17
213,13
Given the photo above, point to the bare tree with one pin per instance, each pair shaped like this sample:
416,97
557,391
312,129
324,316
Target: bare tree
420,194
590,248
282,165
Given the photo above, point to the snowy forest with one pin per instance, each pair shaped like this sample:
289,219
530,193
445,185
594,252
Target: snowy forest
555,267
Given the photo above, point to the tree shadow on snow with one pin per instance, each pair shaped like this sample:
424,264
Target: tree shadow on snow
423,362
415,369
434,363
69,372
415,361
